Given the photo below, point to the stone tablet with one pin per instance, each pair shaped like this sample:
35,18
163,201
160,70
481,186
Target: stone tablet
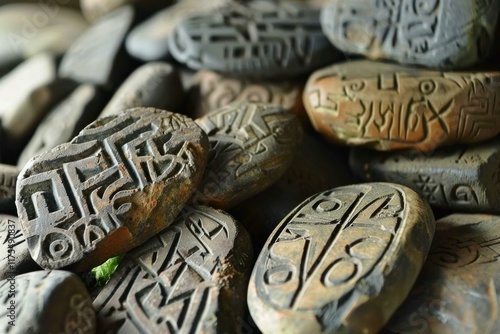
156,85
251,147
8,178
46,302
457,290
122,180
64,122
342,261
388,107
465,179
263,39
191,278
434,33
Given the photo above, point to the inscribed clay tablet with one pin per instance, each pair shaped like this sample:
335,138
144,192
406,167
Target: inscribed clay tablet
466,179
434,33
118,183
263,39
251,146
342,261
457,290
191,278
388,107
46,302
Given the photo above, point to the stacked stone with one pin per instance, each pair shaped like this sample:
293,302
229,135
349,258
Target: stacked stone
352,144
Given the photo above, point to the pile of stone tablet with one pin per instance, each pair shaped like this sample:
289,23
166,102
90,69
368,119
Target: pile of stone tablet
127,126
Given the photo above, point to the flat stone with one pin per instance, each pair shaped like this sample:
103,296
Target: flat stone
119,182
98,56
29,29
191,278
465,179
156,85
212,91
433,33
64,122
388,107
457,290
251,147
263,39
46,302
8,178
342,261
15,257
93,10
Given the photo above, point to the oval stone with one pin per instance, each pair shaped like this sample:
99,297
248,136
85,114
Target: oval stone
251,146
118,183
433,33
388,107
342,261
191,278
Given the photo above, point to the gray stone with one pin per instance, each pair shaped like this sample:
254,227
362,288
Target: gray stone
156,85
8,178
434,33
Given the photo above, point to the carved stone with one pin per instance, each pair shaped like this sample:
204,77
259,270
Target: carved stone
263,39
15,258
212,91
388,107
64,122
46,302
93,10
8,178
342,261
155,85
191,278
465,179
457,290
98,56
433,33
122,180
251,147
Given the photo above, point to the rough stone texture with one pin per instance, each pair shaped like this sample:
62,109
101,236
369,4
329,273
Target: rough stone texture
465,179
263,39
212,91
8,178
433,33
251,147
155,85
457,290
388,107
122,180
98,56
64,122
93,10
46,302
191,278
342,261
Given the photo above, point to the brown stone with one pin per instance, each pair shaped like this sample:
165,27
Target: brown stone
462,178
191,278
457,290
119,182
342,261
388,107
8,178
251,147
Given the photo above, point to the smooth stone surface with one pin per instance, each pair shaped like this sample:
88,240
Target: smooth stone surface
263,39
149,40
98,56
64,122
191,278
251,147
29,29
212,91
342,261
457,290
47,302
388,107
433,33
8,178
93,10
464,179
119,182
156,85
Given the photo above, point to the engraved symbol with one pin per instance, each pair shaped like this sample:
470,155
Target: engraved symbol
428,187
